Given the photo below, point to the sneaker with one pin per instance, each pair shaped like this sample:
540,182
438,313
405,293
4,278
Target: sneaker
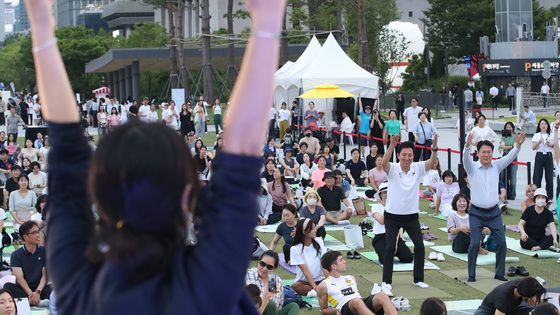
511,271
558,261
421,285
376,289
386,288
424,227
349,255
432,256
440,257
401,303
540,280
357,255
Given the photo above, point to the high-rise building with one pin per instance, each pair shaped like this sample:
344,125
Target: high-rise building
80,12
21,24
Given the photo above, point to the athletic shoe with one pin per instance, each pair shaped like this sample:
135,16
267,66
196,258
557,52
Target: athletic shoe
357,255
386,288
433,256
376,289
401,303
511,271
421,285
440,257
349,255
424,227
540,280
558,261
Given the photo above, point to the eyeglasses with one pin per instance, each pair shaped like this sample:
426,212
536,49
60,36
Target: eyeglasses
33,232
263,264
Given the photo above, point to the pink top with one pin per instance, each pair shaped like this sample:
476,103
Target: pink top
378,176
114,120
317,178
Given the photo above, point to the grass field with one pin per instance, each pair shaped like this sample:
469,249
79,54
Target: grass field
544,268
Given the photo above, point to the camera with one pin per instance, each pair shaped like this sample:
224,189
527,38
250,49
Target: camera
506,133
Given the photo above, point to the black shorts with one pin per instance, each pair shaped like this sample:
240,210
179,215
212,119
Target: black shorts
363,139
345,310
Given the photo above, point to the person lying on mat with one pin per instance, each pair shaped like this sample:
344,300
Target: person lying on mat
135,260
338,294
517,296
306,252
312,210
533,223
458,229
331,197
286,230
270,285
379,243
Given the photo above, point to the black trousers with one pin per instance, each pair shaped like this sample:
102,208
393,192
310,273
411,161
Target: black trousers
93,114
544,243
421,154
17,291
274,218
286,250
544,163
400,114
403,253
511,103
411,137
411,224
271,127
494,102
2,119
461,243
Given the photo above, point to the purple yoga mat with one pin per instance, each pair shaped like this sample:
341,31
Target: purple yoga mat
284,264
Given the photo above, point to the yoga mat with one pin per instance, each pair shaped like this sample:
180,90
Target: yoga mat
289,268
403,285
462,306
485,281
407,240
334,244
514,245
483,260
397,266
440,217
314,302
513,228
272,228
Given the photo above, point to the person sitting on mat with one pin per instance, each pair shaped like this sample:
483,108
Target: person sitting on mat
533,223
338,294
445,191
280,191
331,196
517,296
379,240
306,252
458,226
264,199
433,306
286,230
314,211
270,286
529,193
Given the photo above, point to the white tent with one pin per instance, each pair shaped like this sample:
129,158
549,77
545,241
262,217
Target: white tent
287,79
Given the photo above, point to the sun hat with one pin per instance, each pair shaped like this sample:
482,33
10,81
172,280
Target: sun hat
540,192
382,188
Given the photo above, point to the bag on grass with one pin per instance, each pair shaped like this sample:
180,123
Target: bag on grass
360,206
353,236
258,248
290,296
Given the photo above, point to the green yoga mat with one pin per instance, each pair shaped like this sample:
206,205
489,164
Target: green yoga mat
484,283
334,244
482,260
314,302
462,307
407,239
440,217
272,228
403,286
397,266
514,245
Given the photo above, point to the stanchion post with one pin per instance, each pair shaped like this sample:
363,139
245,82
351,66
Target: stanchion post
528,173
344,143
449,158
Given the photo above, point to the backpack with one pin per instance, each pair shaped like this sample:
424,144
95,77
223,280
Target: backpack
290,296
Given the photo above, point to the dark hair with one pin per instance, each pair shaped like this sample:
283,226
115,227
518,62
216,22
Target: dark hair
4,151
525,106
449,173
456,199
26,227
303,144
254,292
329,258
126,192
282,181
24,176
270,139
33,164
545,309
196,149
405,145
509,123
482,143
429,113
2,291
299,237
15,167
530,287
337,172
290,207
422,113
321,157
354,150
40,199
329,140
394,111
433,306
539,126
478,118
273,254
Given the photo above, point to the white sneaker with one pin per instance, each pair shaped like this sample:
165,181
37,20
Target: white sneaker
433,256
386,288
558,261
421,285
343,222
376,289
440,257
401,303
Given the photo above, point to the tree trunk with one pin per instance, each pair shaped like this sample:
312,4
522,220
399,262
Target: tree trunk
180,47
206,58
363,51
231,45
284,42
338,16
172,45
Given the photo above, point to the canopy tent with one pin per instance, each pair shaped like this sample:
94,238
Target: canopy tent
326,91
287,81
101,92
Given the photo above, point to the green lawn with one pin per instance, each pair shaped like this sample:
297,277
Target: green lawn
550,118
545,268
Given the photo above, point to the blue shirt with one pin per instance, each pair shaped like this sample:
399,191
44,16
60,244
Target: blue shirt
531,119
364,124
424,131
209,279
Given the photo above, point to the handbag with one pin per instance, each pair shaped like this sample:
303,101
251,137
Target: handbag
353,236
360,206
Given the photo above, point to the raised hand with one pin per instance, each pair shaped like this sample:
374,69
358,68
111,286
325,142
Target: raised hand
394,140
469,141
266,15
520,138
435,141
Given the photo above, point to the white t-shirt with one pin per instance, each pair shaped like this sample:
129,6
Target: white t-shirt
402,193
217,110
272,113
152,116
431,178
284,114
494,91
170,118
341,290
411,115
143,112
36,112
378,228
545,89
310,258
547,142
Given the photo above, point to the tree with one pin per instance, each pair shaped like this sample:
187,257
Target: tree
414,77
363,51
145,36
393,48
180,46
207,72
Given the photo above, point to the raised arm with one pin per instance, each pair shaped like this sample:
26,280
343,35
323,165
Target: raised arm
253,90
556,152
387,156
468,163
506,160
433,158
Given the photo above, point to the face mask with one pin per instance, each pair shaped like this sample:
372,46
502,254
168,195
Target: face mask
311,201
308,135
540,202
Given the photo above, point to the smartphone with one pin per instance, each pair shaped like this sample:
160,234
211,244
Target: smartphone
272,285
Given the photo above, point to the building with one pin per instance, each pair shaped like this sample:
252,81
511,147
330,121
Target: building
121,16
81,12
412,11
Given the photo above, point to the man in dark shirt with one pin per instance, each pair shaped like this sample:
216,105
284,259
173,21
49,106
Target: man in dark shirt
12,182
28,266
331,197
302,151
6,164
517,296
335,150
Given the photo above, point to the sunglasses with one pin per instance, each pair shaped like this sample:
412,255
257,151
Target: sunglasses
263,264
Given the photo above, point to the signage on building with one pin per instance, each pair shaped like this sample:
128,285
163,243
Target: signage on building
517,67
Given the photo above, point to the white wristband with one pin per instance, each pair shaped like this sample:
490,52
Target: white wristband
268,35
45,45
